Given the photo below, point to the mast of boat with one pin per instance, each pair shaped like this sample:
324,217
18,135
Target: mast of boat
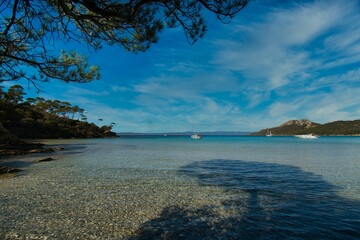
195,135
268,134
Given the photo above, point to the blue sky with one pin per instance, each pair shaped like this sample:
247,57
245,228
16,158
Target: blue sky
275,61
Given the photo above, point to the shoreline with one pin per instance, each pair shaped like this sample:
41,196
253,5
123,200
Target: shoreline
10,165
23,148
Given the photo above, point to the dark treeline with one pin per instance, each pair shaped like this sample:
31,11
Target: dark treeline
41,118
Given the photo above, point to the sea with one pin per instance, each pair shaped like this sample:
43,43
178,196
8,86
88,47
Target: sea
175,187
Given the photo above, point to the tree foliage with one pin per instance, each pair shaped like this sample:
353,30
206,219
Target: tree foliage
41,118
14,94
29,27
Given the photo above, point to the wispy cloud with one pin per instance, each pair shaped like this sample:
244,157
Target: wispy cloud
278,50
297,60
339,103
76,91
186,101
117,88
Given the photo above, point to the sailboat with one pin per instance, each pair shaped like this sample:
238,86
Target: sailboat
269,134
195,135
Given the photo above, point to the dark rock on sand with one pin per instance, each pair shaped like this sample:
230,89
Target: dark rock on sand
41,150
46,159
4,170
12,145
23,148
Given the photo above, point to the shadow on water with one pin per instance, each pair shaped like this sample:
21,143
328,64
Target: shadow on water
16,164
73,148
265,201
26,160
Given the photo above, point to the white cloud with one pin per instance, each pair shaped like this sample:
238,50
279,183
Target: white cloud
279,109
345,79
340,103
187,88
275,51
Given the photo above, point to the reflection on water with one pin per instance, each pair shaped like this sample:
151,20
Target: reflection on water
178,189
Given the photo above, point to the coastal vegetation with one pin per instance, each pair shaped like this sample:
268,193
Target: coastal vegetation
296,127
41,118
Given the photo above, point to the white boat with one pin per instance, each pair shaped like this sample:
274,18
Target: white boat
269,134
196,136
307,136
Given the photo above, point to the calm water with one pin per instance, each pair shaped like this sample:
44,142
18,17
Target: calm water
179,188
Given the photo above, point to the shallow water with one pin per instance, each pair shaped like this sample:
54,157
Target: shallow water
179,188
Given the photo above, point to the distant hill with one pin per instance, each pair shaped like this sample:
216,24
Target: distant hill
294,127
168,134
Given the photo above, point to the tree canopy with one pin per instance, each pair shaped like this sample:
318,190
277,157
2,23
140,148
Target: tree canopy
29,29
41,118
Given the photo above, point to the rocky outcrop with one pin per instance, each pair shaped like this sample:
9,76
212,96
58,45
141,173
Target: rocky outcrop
109,133
304,123
291,127
4,170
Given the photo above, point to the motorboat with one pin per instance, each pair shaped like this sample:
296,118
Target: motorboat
307,136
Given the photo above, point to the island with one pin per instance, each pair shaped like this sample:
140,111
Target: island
305,126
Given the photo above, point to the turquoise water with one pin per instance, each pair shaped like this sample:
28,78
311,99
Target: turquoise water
179,188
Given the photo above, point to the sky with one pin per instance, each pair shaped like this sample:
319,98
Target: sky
275,61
